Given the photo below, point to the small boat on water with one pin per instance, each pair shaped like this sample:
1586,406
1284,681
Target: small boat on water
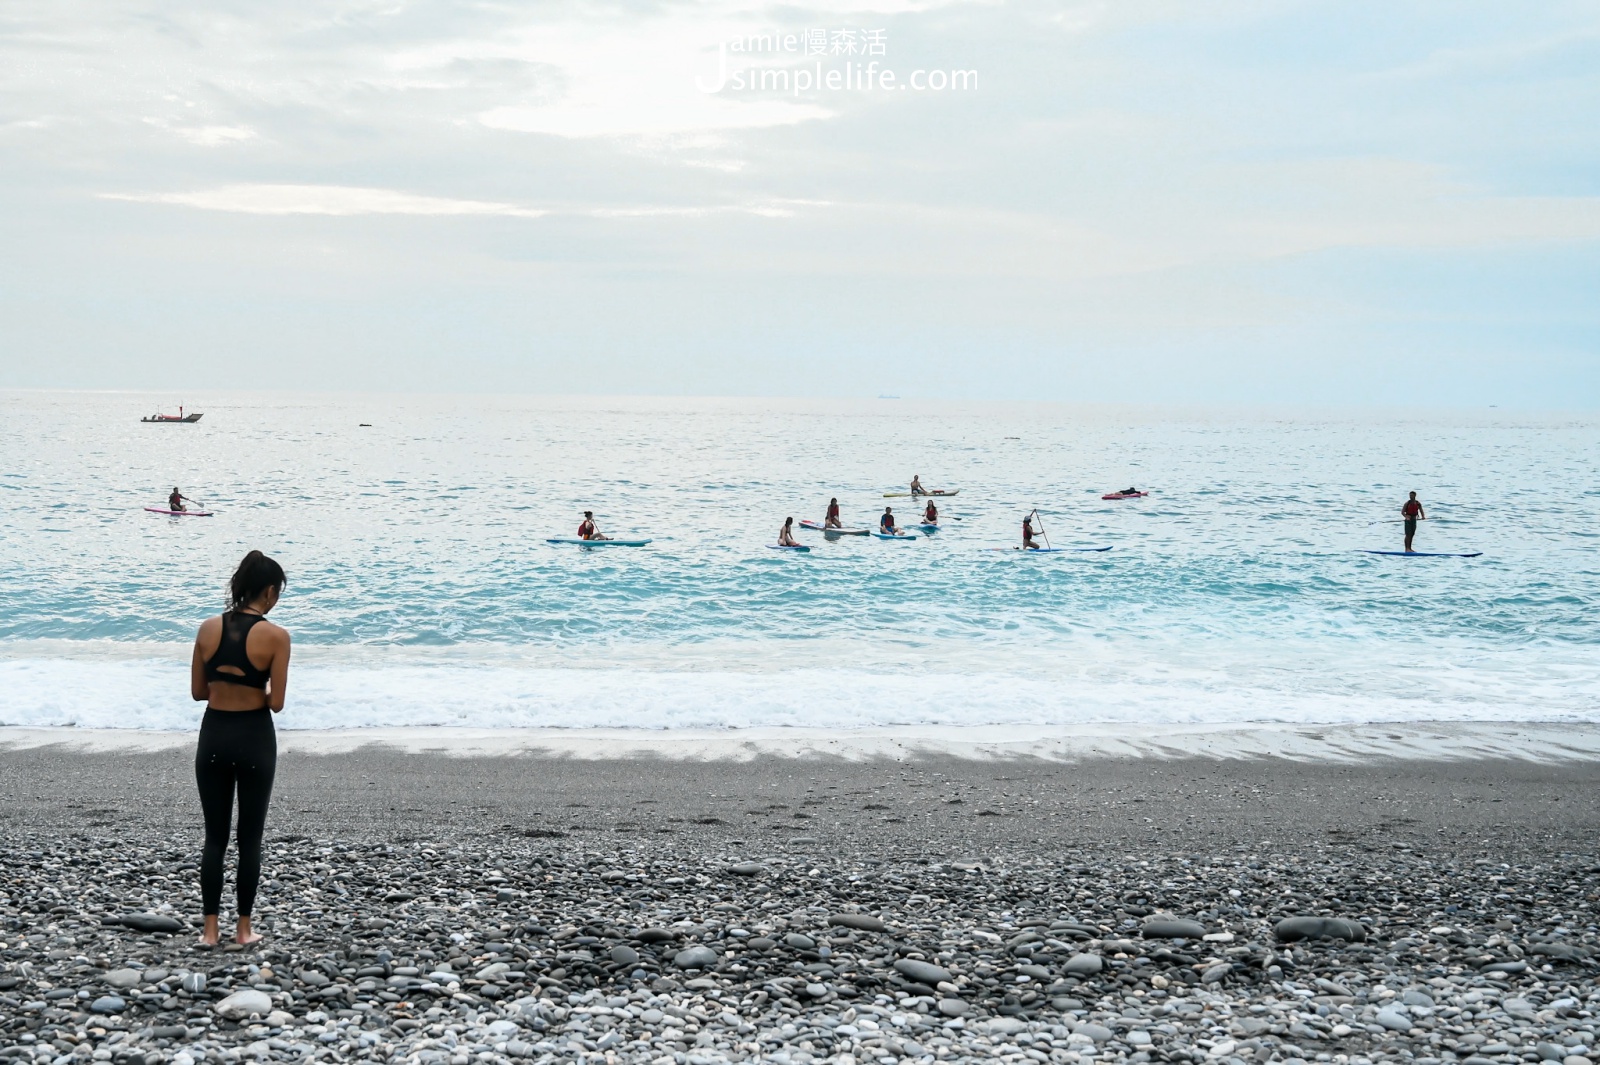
179,418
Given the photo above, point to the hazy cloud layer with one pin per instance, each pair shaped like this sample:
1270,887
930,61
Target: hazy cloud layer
1241,200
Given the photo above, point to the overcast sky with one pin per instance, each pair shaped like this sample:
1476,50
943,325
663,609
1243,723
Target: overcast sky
1228,201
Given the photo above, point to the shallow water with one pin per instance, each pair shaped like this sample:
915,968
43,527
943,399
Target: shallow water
422,591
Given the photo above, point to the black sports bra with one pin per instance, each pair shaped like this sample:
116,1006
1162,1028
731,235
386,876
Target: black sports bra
230,652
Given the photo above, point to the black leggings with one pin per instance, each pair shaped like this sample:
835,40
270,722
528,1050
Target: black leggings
236,747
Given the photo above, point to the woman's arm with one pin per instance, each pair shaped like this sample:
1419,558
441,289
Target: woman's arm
199,689
279,686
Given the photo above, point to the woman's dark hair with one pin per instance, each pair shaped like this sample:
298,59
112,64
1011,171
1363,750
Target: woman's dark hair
255,575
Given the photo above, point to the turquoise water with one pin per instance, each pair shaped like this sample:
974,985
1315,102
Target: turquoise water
422,591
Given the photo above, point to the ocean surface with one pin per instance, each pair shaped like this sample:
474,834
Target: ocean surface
422,592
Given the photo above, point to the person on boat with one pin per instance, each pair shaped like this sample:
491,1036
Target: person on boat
176,500
786,534
240,670
916,486
587,530
931,514
886,523
1028,543
831,521
1412,512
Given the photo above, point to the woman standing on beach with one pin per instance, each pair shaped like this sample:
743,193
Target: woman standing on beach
241,670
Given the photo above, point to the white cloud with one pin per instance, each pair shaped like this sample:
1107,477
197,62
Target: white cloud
347,200
323,200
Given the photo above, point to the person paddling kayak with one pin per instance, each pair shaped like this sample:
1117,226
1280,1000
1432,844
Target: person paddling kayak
831,521
176,501
931,514
1027,534
886,523
786,534
587,530
1412,512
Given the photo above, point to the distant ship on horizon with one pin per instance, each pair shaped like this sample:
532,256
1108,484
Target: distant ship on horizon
179,418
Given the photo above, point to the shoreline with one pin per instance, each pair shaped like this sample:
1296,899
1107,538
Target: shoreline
1447,741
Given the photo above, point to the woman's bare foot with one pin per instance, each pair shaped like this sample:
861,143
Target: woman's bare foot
210,934
244,937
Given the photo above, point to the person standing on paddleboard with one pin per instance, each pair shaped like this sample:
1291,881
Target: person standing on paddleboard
240,670
176,500
831,520
786,534
1412,512
886,523
587,530
1027,534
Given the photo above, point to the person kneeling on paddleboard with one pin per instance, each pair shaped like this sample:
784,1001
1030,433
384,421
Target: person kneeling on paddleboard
1027,534
831,521
886,523
786,534
931,515
176,500
587,530
1411,512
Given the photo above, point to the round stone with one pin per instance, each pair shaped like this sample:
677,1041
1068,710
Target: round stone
816,990
1166,928
953,1007
108,1004
1083,965
241,1004
861,921
920,971
1294,929
624,955
695,957
800,942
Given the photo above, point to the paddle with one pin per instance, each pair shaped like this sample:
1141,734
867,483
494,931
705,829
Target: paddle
1042,533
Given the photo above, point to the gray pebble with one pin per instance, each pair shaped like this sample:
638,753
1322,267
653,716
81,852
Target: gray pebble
953,1007
921,971
108,1004
1294,929
1162,928
623,954
1083,964
695,957
862,921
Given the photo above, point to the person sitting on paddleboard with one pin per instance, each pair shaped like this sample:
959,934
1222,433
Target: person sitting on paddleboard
786,534
832,519
1027,534
931,515
916,486
587,529
1412,511
176,500
886,523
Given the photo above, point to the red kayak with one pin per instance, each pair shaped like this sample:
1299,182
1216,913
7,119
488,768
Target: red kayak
1125,495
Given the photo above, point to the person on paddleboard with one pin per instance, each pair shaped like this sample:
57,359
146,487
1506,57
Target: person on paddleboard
1027,534
886,523
916,486
587,530
786,534
1412,512
931,514
175,502
831,521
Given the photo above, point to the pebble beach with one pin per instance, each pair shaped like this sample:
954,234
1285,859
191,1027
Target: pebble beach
807,911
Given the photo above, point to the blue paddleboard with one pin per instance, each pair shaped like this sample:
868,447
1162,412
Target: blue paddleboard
1046,550
596,543
895,536
1424,554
